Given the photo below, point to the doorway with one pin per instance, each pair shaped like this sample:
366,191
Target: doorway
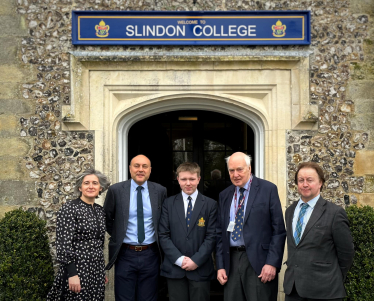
207,138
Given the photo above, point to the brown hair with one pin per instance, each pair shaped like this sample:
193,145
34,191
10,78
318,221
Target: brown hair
314,166
190,167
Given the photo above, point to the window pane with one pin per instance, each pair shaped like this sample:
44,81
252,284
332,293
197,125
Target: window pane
214,165
179,158
182,136
213,188
213,145
214,136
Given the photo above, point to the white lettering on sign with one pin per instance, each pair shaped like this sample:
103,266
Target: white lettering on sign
155,31
198,31
194,30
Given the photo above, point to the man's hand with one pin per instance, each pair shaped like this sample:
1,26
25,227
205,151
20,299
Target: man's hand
184,262
221,276
188,264
75,284
268,273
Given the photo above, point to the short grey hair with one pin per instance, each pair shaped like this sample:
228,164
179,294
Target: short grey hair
103,180
247,159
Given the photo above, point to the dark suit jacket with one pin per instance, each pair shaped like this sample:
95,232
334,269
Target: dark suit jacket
263,228
319,264
198,242
117,207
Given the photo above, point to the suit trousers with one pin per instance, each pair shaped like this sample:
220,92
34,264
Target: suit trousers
137,274
294,296
185,289
244,285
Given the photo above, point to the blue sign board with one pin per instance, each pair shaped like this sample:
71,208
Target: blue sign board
191,28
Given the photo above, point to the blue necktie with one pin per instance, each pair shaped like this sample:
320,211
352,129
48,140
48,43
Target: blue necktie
189,212
140,215
239,218
299,224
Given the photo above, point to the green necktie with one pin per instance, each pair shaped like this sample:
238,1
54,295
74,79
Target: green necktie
140,214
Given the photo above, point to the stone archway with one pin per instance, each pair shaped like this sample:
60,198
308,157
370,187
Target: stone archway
268,92
192,102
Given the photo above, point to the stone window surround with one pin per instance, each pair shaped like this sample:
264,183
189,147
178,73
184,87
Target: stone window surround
108,101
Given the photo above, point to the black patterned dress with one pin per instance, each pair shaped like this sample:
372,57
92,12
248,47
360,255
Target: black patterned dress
80,236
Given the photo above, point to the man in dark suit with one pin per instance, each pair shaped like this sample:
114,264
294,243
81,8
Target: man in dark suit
320,245
187,237
133,210
250,235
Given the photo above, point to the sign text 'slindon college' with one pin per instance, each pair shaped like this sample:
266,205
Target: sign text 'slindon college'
205,28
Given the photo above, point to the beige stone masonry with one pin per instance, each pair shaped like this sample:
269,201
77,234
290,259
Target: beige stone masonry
11,169
270,94
14,147
364,163
366,199
5,209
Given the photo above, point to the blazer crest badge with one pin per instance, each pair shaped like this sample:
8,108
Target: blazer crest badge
102,30
201,222
279,29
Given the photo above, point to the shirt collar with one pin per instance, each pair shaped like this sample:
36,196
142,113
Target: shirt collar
312,203
134,185
193,196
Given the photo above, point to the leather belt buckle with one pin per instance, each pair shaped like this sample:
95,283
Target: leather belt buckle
138,248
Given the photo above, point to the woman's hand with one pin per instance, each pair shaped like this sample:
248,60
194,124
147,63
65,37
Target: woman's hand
74,284
106,279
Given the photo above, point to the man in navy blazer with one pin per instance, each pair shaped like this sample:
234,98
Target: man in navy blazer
187,237
250,235
133,210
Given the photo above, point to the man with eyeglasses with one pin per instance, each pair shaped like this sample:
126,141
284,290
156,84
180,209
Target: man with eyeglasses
250,235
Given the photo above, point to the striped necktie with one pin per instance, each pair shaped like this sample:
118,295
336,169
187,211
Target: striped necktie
299,224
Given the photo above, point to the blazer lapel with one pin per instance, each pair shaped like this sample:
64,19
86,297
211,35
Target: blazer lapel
226,208
199,204
154,204
316,214
251,198
179,206
289,221
126,203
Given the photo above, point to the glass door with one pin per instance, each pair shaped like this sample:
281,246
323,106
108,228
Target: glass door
206,138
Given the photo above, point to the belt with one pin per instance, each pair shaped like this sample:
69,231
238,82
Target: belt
137,248
239,249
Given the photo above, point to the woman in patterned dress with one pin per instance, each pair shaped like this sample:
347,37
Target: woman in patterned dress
80,236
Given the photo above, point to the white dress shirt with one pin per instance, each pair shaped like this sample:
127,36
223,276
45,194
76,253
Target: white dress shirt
185,196
308,213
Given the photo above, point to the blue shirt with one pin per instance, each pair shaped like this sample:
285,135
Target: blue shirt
308,213
239,242
131,237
